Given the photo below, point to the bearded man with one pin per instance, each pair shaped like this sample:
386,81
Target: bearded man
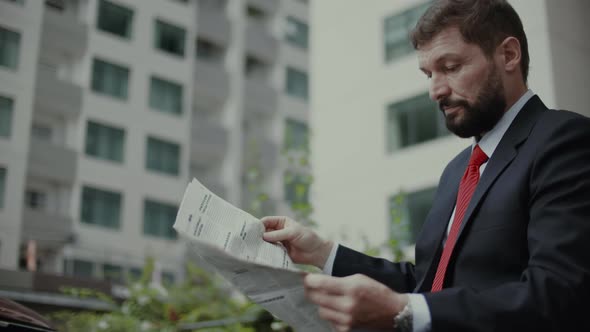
506,245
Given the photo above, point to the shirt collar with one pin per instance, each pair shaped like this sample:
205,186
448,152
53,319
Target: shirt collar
489,142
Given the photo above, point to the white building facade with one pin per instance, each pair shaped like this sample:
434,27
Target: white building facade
109,108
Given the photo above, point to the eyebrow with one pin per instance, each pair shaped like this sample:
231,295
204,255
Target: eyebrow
444,57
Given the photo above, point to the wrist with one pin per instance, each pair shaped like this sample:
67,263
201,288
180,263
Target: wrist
324,252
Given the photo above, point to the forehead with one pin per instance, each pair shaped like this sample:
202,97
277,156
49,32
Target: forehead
447,43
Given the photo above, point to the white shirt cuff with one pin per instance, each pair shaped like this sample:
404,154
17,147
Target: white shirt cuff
421,312
329,266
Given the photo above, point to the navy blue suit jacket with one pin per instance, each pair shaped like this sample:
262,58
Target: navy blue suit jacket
522,260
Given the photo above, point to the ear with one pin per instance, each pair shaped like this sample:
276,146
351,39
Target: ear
510,54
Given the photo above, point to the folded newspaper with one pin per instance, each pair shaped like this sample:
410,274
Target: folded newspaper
229,241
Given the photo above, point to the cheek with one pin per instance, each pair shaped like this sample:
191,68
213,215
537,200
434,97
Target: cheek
467,84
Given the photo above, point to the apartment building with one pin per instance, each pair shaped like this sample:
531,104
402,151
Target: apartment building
109,107
380,144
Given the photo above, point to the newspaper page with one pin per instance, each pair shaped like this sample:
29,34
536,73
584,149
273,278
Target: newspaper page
229,241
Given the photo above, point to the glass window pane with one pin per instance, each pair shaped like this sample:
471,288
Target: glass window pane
163,156
407,213
112,272
169,38
412,121
100,207
158,219
296,135
6,106
297,188
396,29
165,96
297,83
297,32
105,142
82,268
110,79
9,48
115,19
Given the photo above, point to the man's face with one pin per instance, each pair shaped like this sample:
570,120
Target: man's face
465,83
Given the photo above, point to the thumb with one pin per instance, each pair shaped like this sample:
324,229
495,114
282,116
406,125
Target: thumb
284,234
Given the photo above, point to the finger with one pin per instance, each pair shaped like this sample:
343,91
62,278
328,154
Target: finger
285,234
334,285
274,222
330,301
335,317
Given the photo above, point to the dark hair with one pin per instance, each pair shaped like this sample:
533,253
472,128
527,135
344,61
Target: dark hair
485,23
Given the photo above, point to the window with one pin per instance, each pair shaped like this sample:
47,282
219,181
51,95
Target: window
412,121
110,79
158,219
35,199
100,207
396,31
296,83
209,51
115,19
79,268
168,278
165,96
169,38
162,156
105,142
9,48
112,272
408,212
297,188
2,186
296,135
6,106
297,33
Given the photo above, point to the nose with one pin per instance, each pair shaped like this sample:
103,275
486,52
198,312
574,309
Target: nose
439,87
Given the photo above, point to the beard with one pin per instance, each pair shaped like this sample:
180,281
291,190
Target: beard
481,116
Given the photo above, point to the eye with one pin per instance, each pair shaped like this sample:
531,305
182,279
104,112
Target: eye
452,68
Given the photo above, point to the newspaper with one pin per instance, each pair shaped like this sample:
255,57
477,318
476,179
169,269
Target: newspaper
229,241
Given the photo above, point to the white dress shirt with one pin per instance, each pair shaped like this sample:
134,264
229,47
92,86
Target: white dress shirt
488,143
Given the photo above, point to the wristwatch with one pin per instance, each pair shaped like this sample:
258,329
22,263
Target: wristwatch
404,320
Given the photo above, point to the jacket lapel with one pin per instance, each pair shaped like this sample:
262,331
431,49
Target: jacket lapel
517,133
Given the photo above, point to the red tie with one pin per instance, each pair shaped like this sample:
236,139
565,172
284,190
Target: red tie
466,189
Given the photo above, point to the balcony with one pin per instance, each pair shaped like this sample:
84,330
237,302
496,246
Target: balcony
56,97
260,42
52,162
260,98
213,24
48,230
209,143
62,35
211,85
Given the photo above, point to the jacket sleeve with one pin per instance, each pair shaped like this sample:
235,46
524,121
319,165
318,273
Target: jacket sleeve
552,290
397,276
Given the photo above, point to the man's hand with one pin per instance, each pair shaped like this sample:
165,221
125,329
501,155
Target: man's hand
303,245
354,302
